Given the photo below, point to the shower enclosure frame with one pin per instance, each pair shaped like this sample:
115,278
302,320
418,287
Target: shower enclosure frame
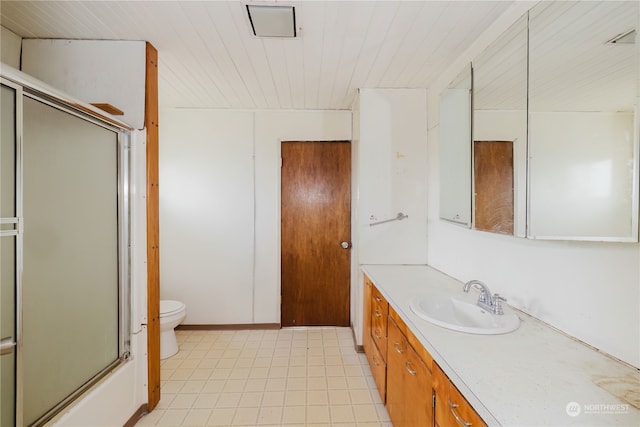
25,86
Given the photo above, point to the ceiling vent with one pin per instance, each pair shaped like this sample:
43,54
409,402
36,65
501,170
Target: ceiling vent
272,21
628,37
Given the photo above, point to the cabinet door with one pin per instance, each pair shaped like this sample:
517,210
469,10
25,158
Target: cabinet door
441,387
396,377
379,371
409,388
418,391
452,409
461,412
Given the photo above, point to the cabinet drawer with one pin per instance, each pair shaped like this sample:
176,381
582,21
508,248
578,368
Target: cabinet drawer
379,331
379,371
379,315
378,300
411,338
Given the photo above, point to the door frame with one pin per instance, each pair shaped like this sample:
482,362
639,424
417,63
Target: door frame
19,236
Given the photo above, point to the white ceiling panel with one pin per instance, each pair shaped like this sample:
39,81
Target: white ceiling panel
209,57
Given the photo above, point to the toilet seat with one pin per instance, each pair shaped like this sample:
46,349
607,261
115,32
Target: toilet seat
170,307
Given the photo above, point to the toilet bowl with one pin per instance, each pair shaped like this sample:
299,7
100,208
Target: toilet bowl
171,314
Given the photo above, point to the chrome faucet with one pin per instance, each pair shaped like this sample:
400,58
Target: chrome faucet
490,303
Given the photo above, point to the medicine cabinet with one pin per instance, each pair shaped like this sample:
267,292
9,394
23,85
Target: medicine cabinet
554,127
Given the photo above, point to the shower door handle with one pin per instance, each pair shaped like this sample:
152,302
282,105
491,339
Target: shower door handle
7,345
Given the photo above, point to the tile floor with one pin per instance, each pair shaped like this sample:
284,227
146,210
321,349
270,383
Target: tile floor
292,377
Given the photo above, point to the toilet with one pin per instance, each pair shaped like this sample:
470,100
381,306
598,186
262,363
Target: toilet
172,313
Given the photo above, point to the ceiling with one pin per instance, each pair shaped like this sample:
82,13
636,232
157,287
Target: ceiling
209,58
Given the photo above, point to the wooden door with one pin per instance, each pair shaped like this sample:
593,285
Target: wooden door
493,186
315,224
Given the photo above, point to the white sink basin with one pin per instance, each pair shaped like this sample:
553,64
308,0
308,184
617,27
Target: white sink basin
463,316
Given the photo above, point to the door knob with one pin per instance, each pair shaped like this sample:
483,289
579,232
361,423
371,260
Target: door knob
345,245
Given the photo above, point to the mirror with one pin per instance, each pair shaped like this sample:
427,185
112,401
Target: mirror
583,140
455,155
499,149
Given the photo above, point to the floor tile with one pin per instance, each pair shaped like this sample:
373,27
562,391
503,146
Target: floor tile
288,377
196,418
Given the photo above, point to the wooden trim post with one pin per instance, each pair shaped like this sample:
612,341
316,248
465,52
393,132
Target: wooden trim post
153,227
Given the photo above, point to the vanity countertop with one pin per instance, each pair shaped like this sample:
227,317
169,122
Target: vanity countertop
534,376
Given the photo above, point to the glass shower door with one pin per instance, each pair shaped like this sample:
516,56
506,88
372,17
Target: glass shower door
8,244
70,280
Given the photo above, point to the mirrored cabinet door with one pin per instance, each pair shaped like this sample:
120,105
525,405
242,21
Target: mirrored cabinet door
500,134
554,147
455,150
583,148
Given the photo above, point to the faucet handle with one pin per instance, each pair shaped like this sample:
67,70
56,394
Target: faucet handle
484,296
497,304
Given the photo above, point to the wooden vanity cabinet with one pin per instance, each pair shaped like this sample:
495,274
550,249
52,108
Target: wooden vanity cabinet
452,409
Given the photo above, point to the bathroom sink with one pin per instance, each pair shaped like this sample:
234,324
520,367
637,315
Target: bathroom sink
463,316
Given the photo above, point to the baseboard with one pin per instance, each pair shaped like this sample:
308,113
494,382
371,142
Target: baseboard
142,411
234,327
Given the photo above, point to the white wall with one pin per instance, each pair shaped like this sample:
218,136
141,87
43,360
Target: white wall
590,290
10,45
220,207
392,175
94,71
390,128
